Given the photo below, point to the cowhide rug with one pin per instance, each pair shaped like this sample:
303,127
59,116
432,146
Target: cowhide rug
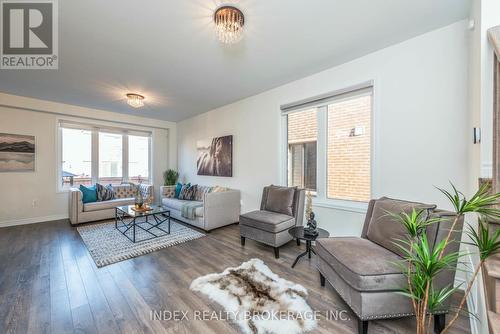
258,300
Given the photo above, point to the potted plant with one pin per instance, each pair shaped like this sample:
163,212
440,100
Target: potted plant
170,178
422,263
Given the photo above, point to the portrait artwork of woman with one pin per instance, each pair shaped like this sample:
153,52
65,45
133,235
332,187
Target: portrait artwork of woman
215,159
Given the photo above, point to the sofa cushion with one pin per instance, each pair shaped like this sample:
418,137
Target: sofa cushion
384,229
280,200
176,204
267,221
363,264
95,206
124,191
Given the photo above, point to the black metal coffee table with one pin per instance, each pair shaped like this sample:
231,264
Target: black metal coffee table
127,219
298,233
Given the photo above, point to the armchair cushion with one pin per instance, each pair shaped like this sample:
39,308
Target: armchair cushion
280,200
364,265
384,229
267,221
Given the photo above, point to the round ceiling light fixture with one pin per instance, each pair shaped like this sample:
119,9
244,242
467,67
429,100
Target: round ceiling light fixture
229,23
135,100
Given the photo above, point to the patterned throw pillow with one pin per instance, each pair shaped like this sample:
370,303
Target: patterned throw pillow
201,191
168,191
104,193
188,192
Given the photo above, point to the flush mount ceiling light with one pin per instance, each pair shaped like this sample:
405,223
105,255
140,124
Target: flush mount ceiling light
135,100
229,23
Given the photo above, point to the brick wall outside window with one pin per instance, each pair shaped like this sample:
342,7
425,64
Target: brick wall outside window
348,155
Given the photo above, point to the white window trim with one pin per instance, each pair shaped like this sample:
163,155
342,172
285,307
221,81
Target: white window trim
95,128
321,199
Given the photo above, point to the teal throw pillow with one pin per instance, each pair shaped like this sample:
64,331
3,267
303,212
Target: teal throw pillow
89,193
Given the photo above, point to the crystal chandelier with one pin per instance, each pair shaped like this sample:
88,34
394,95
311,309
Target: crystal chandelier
229,23
135,100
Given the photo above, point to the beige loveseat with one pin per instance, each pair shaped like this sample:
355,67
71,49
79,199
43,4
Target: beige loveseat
82,213
210,211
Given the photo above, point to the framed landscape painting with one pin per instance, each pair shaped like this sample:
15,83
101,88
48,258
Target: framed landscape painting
17,153
215,156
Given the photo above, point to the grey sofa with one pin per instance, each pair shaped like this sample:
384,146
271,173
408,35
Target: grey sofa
363,272
88,212
281,208
216,209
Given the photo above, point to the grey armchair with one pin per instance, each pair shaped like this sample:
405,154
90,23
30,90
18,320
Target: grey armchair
281,208
362,270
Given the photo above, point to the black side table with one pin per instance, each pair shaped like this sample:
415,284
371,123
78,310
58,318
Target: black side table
298,233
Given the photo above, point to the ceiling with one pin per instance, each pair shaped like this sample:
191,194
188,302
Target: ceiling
168,51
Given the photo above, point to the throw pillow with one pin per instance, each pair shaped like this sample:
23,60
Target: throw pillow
188,192
104,193
280,200
178,189
168,191
201,191
89,194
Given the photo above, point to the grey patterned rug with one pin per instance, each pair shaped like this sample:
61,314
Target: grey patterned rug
107,245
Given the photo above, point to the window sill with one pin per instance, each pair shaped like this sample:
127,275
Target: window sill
351,206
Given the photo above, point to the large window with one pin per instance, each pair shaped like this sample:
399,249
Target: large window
108,156
329,146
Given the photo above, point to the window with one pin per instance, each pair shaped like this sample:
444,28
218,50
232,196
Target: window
329,145
302,137
349,134
76,157
108,156
138,159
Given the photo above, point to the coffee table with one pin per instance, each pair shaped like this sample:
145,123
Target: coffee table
298,233
126,219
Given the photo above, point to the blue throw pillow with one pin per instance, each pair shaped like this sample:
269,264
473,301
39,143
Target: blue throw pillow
89,193
178,188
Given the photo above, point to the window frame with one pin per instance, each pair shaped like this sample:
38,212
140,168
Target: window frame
95,130
320,198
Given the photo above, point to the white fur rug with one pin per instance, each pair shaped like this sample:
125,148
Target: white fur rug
258,300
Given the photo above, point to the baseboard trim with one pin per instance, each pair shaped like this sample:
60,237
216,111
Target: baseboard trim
33,220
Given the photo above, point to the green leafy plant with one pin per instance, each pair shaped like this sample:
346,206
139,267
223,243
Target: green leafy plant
170,177
422,262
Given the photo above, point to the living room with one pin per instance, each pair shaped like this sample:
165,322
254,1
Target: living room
197,167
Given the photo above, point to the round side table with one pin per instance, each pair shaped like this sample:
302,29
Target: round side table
298,233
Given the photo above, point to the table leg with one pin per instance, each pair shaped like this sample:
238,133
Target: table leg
308,247
133,226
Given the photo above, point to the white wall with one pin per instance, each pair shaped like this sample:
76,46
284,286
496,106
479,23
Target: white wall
20,115
421,125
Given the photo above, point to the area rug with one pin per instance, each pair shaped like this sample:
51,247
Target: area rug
258,300
107,245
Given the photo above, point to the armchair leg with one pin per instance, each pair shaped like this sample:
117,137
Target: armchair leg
322,279
243,241
276,252
298,242
439,323
362,326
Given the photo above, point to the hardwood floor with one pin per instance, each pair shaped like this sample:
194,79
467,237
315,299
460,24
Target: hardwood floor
50,284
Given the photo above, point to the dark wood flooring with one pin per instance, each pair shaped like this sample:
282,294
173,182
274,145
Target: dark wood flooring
50,284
